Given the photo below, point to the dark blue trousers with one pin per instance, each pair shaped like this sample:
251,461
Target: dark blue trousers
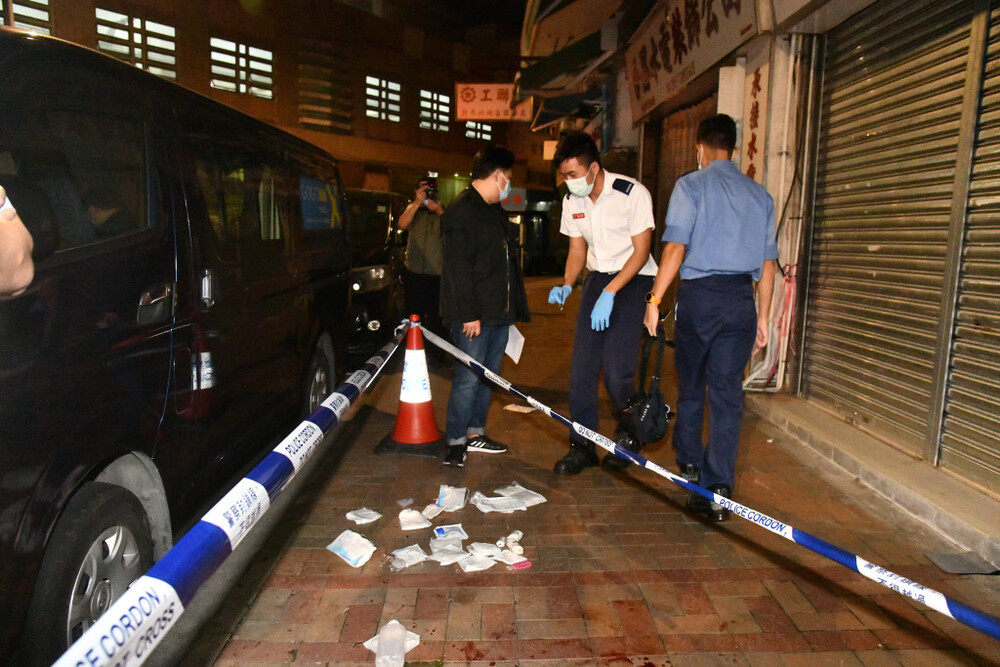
614,351
716,324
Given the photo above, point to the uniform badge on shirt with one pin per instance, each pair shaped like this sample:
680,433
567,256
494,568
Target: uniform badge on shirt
621,185
579,216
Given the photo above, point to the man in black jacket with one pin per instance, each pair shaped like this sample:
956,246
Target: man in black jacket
482,294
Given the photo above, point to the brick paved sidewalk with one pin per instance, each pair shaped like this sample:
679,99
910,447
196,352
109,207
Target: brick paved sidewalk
621,574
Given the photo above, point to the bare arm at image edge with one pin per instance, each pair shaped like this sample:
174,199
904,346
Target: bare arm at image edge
765,292
16,267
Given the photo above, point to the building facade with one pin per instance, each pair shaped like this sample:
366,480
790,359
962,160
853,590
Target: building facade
874,127
375,89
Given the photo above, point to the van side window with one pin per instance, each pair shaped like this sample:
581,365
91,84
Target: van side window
85,172
245,195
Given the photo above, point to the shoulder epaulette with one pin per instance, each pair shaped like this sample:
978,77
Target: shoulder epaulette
622,185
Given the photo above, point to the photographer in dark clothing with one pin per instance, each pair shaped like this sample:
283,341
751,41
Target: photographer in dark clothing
482,294
422,280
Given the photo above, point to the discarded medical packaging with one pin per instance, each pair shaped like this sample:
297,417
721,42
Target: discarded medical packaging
451,530
355,549
515,490
363,516
412,520
452,498
407,556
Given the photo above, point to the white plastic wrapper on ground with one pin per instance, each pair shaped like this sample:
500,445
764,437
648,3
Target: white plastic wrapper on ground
363,516
475,563
515,490
432,511
452,498
355,549
448,555
407,556
451,530
412,640
497,504
412,520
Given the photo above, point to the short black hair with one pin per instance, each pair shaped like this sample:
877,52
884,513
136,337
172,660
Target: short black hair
717,132
578,145
489,160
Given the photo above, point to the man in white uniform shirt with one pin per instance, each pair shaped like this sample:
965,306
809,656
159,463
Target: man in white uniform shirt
609,221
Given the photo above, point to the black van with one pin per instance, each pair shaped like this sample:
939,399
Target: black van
378,252
189,306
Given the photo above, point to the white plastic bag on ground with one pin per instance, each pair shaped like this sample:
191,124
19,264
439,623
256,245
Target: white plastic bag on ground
355,549
515,490
363,516
412,520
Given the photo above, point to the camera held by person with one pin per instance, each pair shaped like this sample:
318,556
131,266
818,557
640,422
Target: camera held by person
432,188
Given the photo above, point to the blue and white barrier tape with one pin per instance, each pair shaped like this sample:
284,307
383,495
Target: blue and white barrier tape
129,631
981,621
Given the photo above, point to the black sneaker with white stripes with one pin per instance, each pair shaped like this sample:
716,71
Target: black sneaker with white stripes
484,445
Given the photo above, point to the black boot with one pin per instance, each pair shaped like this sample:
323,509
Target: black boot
614,462
706,508
691,473
578,458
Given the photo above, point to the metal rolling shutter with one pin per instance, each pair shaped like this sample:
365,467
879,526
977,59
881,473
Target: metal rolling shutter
970,443
891,110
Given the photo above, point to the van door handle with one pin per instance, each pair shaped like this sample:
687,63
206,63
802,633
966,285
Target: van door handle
155,304
208,288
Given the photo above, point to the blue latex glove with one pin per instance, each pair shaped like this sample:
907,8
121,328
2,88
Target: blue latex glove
559,294
601,313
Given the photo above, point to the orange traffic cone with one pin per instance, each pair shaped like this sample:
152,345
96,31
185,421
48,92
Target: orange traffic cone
416,430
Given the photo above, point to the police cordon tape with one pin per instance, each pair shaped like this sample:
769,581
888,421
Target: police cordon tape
136,623
937,601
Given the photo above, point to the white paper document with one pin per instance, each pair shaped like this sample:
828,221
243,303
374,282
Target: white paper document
515,344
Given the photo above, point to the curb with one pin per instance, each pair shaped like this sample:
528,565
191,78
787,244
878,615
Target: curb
953,508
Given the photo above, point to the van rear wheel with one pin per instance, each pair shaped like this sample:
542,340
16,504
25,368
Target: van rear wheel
99,546
319,379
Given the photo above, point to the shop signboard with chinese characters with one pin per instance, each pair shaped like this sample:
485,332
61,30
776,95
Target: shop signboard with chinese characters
755,96
679,40
489,101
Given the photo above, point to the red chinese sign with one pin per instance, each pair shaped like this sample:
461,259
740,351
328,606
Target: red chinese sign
489,101
679,40
755,115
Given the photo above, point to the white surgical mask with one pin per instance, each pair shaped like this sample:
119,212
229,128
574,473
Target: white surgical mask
580,186
505,190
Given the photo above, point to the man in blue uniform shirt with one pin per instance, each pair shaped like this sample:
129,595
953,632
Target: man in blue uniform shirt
609,221
720,235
